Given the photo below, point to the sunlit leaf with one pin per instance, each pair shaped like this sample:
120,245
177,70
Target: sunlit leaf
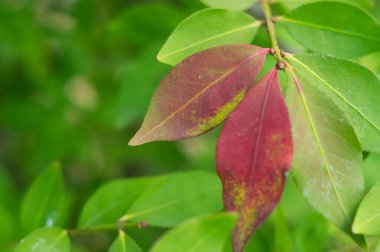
124,243
205,29
200,234
367,220
291,4
45,240
200,92
173,198
334,28
43,203
229,4
327,160
355,89
253,155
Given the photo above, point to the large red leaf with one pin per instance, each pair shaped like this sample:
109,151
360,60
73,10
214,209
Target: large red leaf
254,153
200,92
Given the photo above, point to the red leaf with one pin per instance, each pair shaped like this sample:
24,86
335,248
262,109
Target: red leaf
200,92
254,153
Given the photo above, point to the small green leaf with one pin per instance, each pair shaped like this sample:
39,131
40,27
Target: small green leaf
367,220
334,28
327,161
45,240
173,198
229,4
201,234
354,88
205,29
44,201
111,201
124,243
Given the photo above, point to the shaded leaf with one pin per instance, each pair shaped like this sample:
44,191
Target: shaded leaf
45,240
371,170
334,28
367,220
173,198
200,234
111,201
44,201
205,29
327,158
124,243
229,4
200,92
253,155
355,89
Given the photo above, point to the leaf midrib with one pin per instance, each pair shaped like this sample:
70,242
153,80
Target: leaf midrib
320,148
220,35
335,92
331,29
358,227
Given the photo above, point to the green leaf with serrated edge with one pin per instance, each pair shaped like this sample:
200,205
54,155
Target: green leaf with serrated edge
45,240
111,201
205,29
354,88
327,161
200,234
174,198
229,4
367,220
124,243
334,28
44,201
292,4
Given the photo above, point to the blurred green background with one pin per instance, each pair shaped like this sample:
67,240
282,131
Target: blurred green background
76,77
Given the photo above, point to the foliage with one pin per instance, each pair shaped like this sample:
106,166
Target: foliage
77,77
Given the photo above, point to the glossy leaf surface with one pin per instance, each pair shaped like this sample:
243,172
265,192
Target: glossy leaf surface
200,234
45,240
367,220
253,155
171,199
229,4
291,4
161,201
334,28
43,203
111,201
205,29
124,243
327,162
354,88
200,92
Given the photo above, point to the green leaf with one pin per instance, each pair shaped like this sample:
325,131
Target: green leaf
291,4
367,220
161,201
205,29
229,4
44,201
45,240
111,201
354,88
327,162
334,28
371,169
124,243
173,198
200,234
